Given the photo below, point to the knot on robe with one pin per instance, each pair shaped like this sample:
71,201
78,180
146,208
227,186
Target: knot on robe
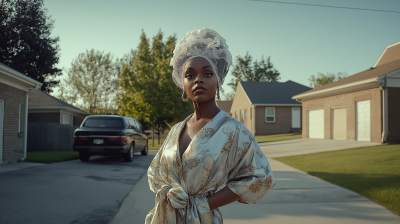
177,197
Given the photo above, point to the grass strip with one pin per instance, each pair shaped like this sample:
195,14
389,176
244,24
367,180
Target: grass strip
373,172
51,156
280,137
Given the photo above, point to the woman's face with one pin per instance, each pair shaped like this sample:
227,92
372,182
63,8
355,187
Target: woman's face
199,80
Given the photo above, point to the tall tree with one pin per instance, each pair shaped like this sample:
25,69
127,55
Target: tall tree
148,91
25,41
323,79
92,83
244,69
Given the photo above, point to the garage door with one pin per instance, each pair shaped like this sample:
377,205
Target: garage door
363,121
339,124
316,123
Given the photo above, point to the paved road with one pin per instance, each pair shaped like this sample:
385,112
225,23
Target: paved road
306,146
71,192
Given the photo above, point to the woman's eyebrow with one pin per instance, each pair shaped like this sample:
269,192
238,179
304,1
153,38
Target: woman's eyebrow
190,68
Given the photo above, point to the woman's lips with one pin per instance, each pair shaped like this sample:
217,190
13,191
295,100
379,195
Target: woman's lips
199,90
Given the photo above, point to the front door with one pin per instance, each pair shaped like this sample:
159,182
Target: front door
363,120
1,128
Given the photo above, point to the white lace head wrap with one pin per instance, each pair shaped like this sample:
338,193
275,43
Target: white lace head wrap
205,43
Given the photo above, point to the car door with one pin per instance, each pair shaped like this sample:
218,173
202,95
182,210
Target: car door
129,131
137,135
143,135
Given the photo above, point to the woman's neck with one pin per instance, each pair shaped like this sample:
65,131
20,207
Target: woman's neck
207,109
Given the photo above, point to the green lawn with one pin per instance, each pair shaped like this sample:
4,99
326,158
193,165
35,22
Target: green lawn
156,146
51,156
280,137
373,172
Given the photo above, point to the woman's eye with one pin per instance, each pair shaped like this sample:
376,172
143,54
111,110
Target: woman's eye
189,76
208,74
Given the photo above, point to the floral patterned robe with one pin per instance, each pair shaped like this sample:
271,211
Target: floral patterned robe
222,152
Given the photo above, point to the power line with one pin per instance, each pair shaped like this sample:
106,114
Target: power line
326,6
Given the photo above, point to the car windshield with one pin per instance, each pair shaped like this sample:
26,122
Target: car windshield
103,123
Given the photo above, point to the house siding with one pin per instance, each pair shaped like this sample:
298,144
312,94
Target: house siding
241,103
78,120
393,114
13,144
347,100
44,117
282,124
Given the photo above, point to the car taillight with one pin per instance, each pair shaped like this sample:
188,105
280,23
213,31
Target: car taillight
119,138
77,138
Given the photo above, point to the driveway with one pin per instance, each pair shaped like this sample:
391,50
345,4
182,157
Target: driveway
307,146
70,192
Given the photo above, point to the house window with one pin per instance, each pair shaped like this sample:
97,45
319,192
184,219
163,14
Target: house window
67,119
245,118
20,120
270,114
236,117
241,116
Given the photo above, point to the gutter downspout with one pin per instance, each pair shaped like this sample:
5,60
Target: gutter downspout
385,123
26,120
254,118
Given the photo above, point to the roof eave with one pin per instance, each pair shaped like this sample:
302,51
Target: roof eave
351,87
38,108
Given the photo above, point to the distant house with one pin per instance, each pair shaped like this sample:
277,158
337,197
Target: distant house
361,107
15,88
225,105
46,108
267,107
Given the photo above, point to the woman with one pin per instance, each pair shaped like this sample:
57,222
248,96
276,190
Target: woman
209,149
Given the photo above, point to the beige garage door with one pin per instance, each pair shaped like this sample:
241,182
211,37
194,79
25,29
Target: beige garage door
339,124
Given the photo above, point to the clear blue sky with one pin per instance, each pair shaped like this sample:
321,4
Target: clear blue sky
301,40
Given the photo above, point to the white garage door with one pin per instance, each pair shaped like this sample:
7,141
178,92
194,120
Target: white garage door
363,121
316,123
339,123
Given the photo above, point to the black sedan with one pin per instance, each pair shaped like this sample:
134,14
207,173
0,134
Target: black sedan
110,135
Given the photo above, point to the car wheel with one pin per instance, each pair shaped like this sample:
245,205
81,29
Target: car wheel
145,151
84,156
128,157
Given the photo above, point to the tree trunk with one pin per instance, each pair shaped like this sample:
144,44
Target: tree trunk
159,133
154,123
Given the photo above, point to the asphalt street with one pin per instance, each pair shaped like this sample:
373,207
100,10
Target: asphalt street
71,192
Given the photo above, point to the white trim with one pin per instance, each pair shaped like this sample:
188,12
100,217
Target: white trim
300,96
18,76
377,62
338,107
254,118
1,129
13,84
277,105
265,118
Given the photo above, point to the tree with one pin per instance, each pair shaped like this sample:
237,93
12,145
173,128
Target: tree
148,91
25,42
228,96
323,79
92,83
258,71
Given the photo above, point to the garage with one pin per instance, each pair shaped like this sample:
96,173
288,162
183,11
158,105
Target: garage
363,120
339,123
316,123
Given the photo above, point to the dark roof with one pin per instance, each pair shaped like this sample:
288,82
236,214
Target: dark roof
39,98
364,75
273,92
225,105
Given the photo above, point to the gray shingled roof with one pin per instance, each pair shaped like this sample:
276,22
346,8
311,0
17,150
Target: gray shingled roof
39,99
273,92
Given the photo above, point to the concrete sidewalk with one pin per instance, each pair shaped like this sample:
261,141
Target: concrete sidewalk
296,198
10,167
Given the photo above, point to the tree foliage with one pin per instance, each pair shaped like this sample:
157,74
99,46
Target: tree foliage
92,83
244,69
25,42
148,91
323,79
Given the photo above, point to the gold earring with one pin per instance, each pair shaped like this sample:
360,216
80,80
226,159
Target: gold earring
187,97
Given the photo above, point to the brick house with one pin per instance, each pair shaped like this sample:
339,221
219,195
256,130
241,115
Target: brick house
225,105
46,108
361,107
15,88
267,107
